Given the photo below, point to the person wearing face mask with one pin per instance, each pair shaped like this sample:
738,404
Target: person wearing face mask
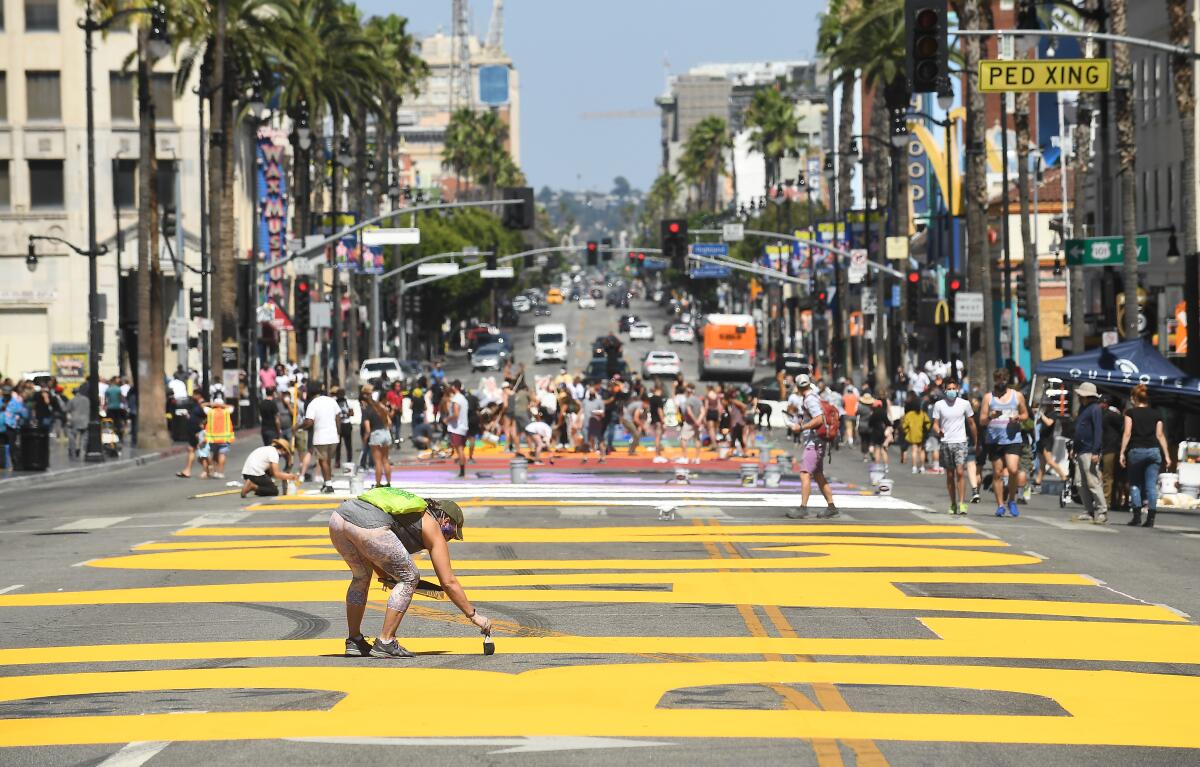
379,531
953,417
1003,411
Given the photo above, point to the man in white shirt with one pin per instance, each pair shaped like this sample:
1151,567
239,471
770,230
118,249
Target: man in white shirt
324,416
261,469
456,424
953,417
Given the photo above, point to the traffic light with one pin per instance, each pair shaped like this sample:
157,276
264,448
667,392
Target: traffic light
820,299
925,28
196,303
491,260
913,296
897,96
301,304
1021,295
592,252
606,248
520,215
168,222
675,242
954,283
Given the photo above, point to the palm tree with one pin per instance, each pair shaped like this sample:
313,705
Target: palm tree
663,194
1127,154
703,160
775,134
1182,31
1029,257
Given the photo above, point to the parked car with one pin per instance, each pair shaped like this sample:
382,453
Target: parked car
681,334
626,321
489,357
641,331
387,368
587,302
660,363
521,304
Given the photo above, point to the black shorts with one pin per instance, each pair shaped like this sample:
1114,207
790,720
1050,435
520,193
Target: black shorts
263,485
997,452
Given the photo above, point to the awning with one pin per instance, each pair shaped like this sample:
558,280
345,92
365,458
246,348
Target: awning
1123,366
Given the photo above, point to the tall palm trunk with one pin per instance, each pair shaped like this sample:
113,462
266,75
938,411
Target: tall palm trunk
1081,143
152,432
1127,154
844,201
1182,32
1029,252
222,301
883,164
228,240
979,275
359,148
335,205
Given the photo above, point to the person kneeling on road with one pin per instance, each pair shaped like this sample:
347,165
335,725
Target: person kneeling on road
380,530
261,469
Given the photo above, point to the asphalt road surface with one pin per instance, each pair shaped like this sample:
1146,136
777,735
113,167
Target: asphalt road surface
723,634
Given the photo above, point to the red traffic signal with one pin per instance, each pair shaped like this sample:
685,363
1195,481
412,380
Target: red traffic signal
302,286
641,256
673,227
955,284
914,278
591,246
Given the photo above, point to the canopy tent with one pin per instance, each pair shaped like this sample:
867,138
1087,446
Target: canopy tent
1123,366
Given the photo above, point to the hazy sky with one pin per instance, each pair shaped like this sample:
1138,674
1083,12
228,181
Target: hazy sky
577,56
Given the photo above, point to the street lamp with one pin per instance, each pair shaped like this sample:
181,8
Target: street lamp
159,45
31,260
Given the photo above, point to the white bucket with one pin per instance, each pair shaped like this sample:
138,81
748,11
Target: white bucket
749,475
884,487
772,475
1168,484
518,469
877,472
356,484
722,451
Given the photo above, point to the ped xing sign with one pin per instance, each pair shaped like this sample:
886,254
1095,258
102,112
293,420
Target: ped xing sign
1104,251
391,236
1045,75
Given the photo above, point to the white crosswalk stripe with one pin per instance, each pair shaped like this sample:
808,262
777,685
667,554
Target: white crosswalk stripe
1066,524
93,523
217,519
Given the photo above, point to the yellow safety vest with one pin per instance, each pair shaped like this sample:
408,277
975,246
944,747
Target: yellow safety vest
219,426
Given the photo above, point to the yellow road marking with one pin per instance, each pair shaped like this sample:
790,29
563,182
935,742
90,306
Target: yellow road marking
216,493
652,534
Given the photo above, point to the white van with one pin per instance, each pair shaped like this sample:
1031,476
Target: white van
549,342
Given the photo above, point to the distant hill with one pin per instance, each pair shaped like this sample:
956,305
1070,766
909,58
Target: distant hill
592,215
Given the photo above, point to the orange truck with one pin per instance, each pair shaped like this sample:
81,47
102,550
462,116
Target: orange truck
729,342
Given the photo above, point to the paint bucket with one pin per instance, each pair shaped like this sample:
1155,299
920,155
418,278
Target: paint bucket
518,469
749,475
722,451
356,484
1168,484
772,475
877,472
884,487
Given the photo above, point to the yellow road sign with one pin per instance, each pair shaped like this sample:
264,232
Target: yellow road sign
1045,75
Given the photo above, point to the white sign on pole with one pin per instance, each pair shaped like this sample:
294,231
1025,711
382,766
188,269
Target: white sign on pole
437,270
857,272
265,312
177,330
204,324
391,236
320,315
869,304
470,250
897,248
501,273
734,232
968,307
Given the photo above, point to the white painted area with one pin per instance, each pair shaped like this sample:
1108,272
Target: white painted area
14,587
92,523
135,754
217,519
515,745
475,512
583,512
698,512
320,516
1069,525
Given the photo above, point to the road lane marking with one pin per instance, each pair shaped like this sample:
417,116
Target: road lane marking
755,533
14,587
321,516
215,518
92,523
135,754
524,745
1068,525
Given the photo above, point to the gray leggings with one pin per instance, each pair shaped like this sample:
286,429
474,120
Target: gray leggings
362,548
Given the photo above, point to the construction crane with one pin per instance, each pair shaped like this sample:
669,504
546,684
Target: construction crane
495,35
460,56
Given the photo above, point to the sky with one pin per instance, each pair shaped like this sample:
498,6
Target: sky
577,56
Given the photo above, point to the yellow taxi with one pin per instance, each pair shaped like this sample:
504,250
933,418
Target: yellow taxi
554,296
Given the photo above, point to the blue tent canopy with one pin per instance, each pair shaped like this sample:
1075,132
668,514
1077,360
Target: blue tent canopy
1123,366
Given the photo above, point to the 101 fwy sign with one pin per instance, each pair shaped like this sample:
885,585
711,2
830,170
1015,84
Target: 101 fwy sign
1045,75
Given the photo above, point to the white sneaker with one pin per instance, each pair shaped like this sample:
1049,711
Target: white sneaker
681,459
914,470
696,461
659,459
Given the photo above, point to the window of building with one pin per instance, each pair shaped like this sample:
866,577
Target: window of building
1159,84
1141,196
5,186
1157,207
3,95
1171,194
43,99
46,184
162,90
41,15
120,95
125,184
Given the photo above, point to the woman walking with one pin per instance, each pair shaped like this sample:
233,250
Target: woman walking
1140,445
713,410
376,434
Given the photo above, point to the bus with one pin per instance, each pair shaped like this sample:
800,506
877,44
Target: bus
729,348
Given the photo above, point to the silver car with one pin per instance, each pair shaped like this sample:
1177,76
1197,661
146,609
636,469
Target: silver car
489,357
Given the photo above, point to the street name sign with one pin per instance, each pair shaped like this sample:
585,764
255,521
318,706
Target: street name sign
501,273
437,270
733,232
1044,75
968,307
1104,251
710,249
710,272
391,236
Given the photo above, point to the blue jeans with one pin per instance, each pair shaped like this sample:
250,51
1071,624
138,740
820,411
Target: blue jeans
1143,463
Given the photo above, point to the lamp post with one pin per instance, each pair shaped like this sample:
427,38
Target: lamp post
159,46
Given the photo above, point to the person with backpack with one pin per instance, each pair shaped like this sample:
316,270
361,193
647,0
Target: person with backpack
819,424
379,531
